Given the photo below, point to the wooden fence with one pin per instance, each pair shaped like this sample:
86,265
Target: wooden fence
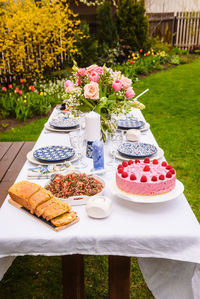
182,29
187,30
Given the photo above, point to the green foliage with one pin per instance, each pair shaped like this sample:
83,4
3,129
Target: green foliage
197,52
178,51
21,103
24,106
106,28
107,35
177,59
132,24
147,65
110,55
160,45
87,46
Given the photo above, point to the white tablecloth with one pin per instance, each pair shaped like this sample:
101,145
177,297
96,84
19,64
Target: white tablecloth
164,236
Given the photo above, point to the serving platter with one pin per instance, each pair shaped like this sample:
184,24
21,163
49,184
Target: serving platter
137,149
40,219
54,153
80,199
130,123
31,159
178,190
159,154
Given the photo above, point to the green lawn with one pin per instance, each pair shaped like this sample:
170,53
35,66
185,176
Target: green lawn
172,109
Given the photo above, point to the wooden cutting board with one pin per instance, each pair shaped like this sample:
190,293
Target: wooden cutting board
40,219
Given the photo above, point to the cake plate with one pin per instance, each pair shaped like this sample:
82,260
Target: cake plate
178,190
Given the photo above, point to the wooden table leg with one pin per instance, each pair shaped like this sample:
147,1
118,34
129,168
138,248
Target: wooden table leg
119,277
73,276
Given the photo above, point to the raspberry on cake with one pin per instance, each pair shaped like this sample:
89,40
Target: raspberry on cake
146,178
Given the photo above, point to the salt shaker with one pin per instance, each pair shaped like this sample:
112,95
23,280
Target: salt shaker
98,155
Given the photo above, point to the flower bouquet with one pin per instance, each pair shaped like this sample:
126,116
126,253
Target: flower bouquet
102,90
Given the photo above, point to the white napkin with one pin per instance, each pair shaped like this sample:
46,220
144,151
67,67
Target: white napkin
45,172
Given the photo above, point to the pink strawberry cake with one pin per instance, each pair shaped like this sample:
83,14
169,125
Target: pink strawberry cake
145,178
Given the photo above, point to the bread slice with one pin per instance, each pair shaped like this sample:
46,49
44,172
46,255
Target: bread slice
56,208
39,198
52,208
22,191
64,218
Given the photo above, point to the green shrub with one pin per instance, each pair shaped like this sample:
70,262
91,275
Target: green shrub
178,51
106,28
159,45
87,46
133,24
107,35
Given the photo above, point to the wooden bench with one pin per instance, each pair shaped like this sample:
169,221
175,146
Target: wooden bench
12,159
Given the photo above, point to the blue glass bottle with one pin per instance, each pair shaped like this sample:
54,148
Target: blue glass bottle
98,155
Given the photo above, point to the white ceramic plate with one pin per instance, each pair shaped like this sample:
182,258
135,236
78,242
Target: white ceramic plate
31,159
81,199
49,128
158,155
178,190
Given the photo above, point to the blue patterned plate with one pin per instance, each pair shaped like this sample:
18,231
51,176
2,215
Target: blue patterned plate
53,153
137,150
64,123
130,123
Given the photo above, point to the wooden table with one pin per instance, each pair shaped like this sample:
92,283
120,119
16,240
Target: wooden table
12,158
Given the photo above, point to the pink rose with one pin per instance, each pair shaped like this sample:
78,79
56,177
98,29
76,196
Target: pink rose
4,88
78,81
82,72
117,85
129,93
70,88
126,82
99,70
69,85
10,86
94,76
20,92
91,68
116,75
91,91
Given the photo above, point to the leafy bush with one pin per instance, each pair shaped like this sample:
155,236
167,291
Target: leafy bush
133,24
33,36
108,39
87,46
178,51
106,28
159,45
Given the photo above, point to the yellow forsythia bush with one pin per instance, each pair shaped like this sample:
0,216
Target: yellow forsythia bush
33,36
